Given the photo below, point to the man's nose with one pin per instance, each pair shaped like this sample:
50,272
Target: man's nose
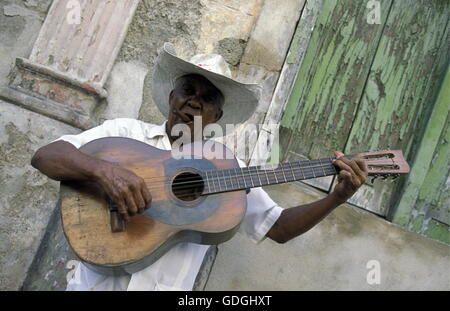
194,103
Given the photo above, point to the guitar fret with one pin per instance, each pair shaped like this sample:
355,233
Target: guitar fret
275,174
243,176
207,181
259,178
224,180
292,170
321,165
254,173
304,172
214,184
237,178
282,170
312,168
332,166
218,181
231,179
267,176
251,178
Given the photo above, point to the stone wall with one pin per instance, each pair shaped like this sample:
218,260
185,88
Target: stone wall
28,199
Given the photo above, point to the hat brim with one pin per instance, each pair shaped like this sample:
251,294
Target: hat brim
241,99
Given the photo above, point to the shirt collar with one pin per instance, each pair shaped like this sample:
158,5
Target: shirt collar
159,130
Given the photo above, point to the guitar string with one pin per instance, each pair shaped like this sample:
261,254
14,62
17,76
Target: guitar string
300,164
330,170
249,174
294,171
224,189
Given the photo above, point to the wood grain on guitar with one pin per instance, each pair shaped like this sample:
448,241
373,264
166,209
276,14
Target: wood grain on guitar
199,198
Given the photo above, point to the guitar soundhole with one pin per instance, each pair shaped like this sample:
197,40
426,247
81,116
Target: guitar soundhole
188,186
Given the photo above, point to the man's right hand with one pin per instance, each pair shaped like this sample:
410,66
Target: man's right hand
125,188
61,161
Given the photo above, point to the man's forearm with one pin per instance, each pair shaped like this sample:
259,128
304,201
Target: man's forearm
62,161
297,220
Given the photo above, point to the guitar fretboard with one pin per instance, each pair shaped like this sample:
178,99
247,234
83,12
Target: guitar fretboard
216,181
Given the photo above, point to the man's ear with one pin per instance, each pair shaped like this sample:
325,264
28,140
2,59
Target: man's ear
219,115
170,95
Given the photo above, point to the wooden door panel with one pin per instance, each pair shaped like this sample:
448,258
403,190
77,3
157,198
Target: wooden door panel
364,87
330,80
401,89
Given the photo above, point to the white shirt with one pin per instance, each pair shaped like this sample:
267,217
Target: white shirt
178,268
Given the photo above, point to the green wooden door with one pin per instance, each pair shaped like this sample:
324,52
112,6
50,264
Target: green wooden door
364,87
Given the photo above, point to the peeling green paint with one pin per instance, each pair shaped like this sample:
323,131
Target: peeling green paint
427,178
367,87
331,78
438,231
417,223
403,68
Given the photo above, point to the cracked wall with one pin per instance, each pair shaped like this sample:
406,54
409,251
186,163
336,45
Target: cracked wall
27,198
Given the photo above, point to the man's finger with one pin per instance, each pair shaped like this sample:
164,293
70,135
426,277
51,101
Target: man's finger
131,205
343,165
338,154
139,200
146,195
345,176
121,207
356,169
363,166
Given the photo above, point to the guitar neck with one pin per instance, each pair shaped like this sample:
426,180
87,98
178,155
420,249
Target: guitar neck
216,181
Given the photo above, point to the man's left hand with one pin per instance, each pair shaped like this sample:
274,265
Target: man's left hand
353,174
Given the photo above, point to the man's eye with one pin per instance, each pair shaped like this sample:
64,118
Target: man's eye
188,90
209,98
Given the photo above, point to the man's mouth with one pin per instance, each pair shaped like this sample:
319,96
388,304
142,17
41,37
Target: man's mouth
186,118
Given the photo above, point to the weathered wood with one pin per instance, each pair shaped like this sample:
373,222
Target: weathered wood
331,78
367,87
269,134
86,219
84,51
425,201
401,89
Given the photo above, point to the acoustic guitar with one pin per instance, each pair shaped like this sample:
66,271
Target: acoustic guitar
198,195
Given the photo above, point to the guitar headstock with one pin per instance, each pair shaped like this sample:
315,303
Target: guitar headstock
387,163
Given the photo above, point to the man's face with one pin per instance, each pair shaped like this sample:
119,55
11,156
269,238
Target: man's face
194,95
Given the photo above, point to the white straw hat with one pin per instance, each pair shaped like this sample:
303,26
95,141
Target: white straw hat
241,99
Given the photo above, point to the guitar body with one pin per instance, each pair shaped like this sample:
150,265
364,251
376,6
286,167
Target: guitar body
173,217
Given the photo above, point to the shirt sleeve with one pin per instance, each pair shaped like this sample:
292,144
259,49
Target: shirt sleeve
262,213
116,127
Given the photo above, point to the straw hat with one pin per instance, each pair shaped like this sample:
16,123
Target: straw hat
241,99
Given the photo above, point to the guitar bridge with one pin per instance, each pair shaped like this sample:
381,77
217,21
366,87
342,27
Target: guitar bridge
117,222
